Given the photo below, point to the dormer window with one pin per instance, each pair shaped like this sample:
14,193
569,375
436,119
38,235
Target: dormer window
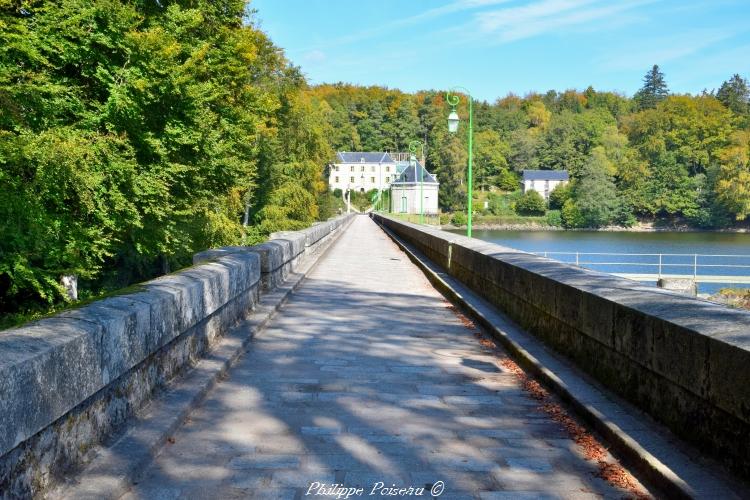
362,160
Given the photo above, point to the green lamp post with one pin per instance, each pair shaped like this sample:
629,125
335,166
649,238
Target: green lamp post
413,147
453,99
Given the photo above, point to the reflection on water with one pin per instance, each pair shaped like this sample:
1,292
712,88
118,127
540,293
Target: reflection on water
725,249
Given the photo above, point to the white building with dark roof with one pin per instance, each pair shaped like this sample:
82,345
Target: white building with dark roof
363,171
406,190
544,181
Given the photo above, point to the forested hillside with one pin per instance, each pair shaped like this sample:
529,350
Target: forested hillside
652,155
133,134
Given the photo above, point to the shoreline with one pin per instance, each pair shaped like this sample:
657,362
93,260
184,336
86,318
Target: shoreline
638,228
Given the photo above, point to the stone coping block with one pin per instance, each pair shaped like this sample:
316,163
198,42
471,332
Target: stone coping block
294,239
684,360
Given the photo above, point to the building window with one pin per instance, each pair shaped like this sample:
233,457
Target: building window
387,178
403,204
337,180
336,168
372,180
372,169
387,169
363,168
351,179
352,167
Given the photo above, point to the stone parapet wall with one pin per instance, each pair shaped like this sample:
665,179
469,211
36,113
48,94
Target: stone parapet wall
68,382
683,360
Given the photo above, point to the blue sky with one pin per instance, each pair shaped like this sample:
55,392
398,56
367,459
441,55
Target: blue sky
494,47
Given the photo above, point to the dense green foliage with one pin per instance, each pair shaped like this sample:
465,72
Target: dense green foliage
655,155
133,134
531,203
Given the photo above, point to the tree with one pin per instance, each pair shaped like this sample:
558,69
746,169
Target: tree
531,203
507,180
538,114
489,158
449,161
653,91
570,137
133,134
523,150
735,95
733,186
594,192
571,216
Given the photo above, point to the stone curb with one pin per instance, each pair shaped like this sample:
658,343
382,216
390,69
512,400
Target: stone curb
625,446
112,472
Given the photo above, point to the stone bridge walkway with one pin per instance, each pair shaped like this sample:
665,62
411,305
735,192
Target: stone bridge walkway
367,376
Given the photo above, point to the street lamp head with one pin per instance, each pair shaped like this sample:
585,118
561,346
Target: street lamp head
453,122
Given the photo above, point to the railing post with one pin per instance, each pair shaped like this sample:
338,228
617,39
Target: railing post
660,266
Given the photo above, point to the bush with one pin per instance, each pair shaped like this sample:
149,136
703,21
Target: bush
624,216
507,180
445,219
458,219
338,193
500,204
531,203
571,216
554,218
559,196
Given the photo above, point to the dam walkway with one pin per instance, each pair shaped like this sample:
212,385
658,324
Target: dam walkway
368,378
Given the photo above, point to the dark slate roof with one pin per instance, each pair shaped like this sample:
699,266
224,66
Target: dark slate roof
411,174
545,175
356,157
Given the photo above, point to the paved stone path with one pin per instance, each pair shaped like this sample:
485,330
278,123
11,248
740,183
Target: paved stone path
367,376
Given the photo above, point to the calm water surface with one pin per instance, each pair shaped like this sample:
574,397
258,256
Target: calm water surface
724,244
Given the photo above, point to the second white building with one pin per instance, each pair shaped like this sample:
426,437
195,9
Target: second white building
415,182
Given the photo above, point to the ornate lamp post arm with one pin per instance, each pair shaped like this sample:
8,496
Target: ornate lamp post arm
453,98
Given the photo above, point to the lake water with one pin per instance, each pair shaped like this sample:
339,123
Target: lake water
730,249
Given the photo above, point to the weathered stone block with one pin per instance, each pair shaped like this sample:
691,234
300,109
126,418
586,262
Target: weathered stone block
217,253
679,285
46,368
681,356
186,294
295,239
729,372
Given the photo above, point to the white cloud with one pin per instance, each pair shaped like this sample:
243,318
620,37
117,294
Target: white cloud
453,7
516,17
314,56
642,54
542,17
